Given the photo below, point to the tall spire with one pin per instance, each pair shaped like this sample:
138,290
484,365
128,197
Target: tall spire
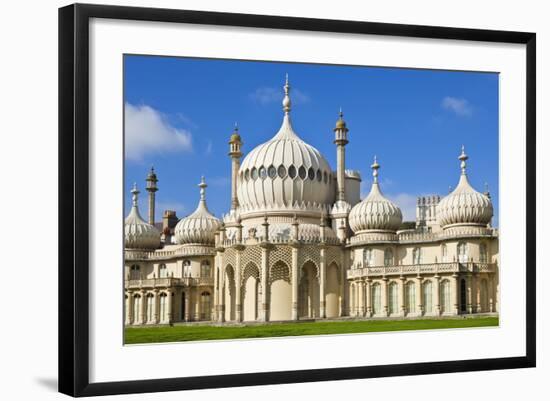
286,99
135,194
202,187
463,157
375,166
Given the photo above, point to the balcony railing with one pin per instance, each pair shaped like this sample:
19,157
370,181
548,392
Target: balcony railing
169,282
399,270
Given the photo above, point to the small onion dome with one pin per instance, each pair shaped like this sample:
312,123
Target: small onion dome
200,226
138,234
375,212
340,123
464,206
235,137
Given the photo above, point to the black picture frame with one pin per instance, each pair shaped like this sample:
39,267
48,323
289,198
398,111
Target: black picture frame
74,198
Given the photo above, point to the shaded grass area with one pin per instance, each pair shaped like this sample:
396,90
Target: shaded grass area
139,335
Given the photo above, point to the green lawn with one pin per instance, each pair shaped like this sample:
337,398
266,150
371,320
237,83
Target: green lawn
138,335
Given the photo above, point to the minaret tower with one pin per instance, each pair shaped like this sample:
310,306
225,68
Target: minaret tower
341,208
235,153
151,187
341,140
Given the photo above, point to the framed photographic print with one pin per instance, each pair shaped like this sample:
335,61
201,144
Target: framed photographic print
250,199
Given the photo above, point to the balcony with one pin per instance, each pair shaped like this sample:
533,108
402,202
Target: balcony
428,268
169,282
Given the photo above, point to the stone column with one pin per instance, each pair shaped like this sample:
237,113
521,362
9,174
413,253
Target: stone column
477,280
491,293
169,306
419,300
221,308
385,309
295,281
128,306
187,305
437,292
143,307
156,306
322,282
197,304
265,290
402,295
215,317
342,295
469,292
238,292
455,293
368,297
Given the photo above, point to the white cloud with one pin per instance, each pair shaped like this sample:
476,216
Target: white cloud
459,106
208,150
147,131
266,95
407,204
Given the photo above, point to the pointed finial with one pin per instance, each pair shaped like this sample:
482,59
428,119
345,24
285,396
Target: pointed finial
286,99
202,187
236,127
135,194
375,166
487,193
463,157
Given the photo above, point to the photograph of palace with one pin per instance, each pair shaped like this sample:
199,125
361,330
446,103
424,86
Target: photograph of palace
306,241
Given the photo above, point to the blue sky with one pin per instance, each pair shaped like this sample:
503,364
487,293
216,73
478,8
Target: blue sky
180,112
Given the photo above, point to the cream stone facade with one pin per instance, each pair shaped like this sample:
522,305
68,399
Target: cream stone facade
299,243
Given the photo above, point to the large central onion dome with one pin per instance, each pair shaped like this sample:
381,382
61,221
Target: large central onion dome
200,226
138,234
464,206
375,212
284,173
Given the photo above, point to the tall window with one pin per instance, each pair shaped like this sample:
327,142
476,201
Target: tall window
417,256
376,299
410,294
483,253
445,296
462,252
150,307
393,303
427,296
368,257
388,257
205,268
163,307
444,257
163,272
134,272
186,268
205,306
463,296
136,312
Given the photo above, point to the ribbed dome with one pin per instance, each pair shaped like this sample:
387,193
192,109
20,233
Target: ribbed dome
375,212
464,206
138,234
285,172
200,226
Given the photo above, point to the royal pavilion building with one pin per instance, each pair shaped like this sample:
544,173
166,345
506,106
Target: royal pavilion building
298,243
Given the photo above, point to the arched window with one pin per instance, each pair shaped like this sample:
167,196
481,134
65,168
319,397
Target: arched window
254,173
483,253
311,174
410,296
319,175
281,171
272,172
325,177
136,311
388,257
462,252
463,295
205,268
427,296
135,272
262,172
417,256
444,257
376,299
163,272
368,257
302,172
292,172
445,296
392,298
163,307
246,174
205,306
150,307
186,268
